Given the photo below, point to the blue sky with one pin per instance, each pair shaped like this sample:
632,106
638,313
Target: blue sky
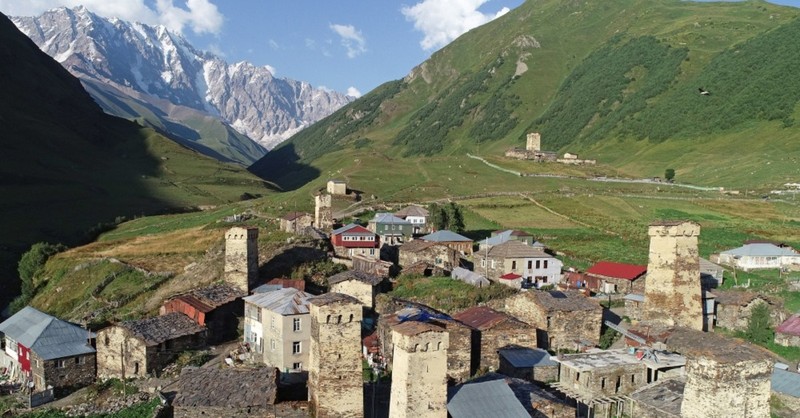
345,45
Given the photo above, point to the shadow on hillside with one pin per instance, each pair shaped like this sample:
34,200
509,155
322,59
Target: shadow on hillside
282,167
282,264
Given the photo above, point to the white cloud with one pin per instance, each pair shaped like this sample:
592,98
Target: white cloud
271,69
353,92
273,44
351,39
441,21
201,16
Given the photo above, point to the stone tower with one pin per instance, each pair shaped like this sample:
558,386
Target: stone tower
672,294
241,257
335,383
323,216
534,142
419,371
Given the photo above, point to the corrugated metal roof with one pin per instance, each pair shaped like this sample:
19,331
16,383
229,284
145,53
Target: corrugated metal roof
468,276
510,276
352,229
786,382
484,399
388,218
483,317
634,297
47,336
286,301
445,236
412,210
790,326
761,250
361,276
527,357
617,270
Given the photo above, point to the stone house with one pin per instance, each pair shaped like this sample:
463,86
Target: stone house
390,229
512,280
531,364
419,370
144,347
536,267
760,256
600,378
734,308
277,326
360,285
296,222
42,350
435,254
417,215
372,265
353,239
451,239
538,402
563,320
216,307
336,187
228,392
634,304
660,399
491,330
788,332
618,277
459,353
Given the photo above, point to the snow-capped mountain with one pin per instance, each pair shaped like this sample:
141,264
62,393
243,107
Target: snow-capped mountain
153,61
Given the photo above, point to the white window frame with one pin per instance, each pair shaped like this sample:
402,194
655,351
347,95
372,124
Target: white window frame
296,325
297,347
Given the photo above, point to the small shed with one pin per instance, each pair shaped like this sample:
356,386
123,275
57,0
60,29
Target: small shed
491,398
531,364
511,280
217,307
467,276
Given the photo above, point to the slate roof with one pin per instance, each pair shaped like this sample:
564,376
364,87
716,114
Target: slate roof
227,388
47,336
286,301
786,382
294,215
738,297
722,349
411,328
158,329
617,270
664,395
388,218
206,299
761,250
333,297
516,249
568,300
445,236
483,318
523,357
492,398
790,326
352,229
361,276
412,210
417,245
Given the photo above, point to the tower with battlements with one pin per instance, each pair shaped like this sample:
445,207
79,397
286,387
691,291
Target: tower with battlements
323,214
534,142
419,371
673,295
241,257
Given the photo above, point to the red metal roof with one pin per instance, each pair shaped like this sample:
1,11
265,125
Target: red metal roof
356,230
510,276
480,317
617,270
790,326
284,282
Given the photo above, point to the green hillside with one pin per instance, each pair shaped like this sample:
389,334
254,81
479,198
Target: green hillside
617,81
66,167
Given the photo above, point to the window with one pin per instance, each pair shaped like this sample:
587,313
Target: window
272,322
530,264
537,263
272,344
545,263
296,348
296,324
80,360
297,366
513,264
371,251
60,364
483,262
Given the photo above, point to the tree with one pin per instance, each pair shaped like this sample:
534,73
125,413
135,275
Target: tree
455,219
438,217
30,264
759,329
669,174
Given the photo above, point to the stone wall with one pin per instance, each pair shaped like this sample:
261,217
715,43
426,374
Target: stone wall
272,411
557,329
323,215
673,293
736,317
298,224
241,257
335,383
116,347
733,389
223,322
539,374
64,374
501,335
447,257
419,374
364,292
787,340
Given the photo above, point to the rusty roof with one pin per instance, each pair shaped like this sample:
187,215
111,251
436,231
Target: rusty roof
791,326
227,388
567,300
483,318
294,215
156,330
331,298
360,276
283,282
206,299
411,328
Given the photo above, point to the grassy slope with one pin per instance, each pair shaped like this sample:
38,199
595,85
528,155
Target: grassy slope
470,86
66,166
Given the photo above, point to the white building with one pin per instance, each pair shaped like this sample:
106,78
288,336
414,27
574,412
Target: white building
760,256
277,326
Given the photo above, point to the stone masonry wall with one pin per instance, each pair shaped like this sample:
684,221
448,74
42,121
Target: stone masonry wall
562,328
335,384
76,372
111,343
364,292
787,340
419,375
735,389
500,336
241,257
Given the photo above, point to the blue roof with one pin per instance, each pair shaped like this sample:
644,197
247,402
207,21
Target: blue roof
47,336
786,382
484,399
761,250
388,218
522,357
445,236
